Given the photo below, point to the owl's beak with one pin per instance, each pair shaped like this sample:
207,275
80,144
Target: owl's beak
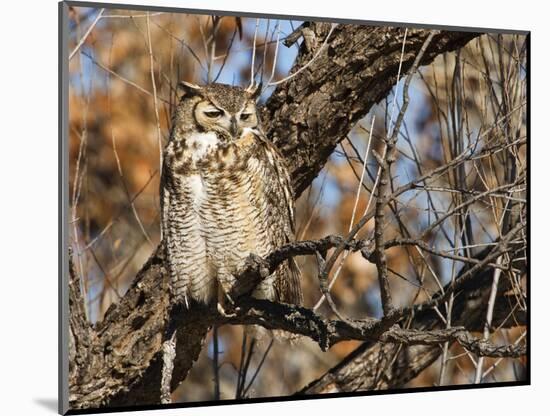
233,128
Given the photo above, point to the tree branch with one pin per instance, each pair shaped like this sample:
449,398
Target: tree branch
327,333
382,366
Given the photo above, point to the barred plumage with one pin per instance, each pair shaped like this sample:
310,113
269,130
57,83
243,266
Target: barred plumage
225,193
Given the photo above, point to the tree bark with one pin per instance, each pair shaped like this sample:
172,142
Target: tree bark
118,362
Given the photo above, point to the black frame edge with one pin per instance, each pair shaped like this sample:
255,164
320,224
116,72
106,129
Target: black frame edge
175,9
63,161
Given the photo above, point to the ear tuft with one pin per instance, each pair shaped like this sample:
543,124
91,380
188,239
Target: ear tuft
187,89
255,90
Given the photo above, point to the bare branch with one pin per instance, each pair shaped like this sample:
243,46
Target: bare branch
327,333
83,39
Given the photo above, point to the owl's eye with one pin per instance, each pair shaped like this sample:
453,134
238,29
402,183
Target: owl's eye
213,113
245,116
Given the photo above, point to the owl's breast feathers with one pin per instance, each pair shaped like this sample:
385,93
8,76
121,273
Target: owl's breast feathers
236,198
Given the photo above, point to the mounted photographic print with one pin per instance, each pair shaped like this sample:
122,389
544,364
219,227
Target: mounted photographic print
263,208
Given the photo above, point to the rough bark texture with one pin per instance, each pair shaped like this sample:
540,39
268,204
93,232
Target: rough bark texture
118,362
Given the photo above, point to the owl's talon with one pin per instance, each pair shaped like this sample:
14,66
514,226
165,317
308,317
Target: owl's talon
223,313
231,301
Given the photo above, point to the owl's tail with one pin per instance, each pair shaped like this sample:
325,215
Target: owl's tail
288,290
263,337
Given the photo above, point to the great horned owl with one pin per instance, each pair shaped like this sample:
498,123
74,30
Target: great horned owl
225,193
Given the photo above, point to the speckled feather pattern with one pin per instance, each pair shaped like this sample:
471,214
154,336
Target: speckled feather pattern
221,200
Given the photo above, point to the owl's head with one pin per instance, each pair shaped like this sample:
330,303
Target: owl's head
222,108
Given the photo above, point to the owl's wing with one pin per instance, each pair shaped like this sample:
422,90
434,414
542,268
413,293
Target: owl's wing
164,200
167,235
277,182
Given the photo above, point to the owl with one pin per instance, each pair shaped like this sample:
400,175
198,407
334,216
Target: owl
225,193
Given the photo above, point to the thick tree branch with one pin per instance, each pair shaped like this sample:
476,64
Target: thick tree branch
327,333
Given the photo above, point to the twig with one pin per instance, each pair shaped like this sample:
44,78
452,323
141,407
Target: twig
258,368
419,243
83,39
497,362
106,276
449,305
183,43
314,210
263,64
157,118
131,16
248,48
275,56
239,370
127,191
125,80
323,277
215,21
204,43
337,273
168,357
243,368
253,54
115,217
362,175
398,76
470,273
77,184
226,55
384,188
215,363
308,63
488,320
